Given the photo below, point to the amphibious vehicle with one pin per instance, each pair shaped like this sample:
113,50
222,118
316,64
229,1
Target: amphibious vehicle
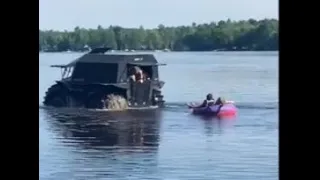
90,79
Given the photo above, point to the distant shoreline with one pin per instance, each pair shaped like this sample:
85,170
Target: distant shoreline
245,35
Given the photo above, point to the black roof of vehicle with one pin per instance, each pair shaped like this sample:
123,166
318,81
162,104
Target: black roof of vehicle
98,56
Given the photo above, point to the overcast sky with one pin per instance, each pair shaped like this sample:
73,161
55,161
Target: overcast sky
67,14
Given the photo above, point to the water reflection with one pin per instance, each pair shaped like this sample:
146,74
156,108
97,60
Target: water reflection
215,126
108,130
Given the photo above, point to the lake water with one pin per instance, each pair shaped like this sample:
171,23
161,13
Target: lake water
170,143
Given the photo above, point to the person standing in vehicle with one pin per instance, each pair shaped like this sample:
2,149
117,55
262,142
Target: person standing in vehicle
138,75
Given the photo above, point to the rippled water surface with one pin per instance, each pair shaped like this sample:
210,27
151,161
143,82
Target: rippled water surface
170,143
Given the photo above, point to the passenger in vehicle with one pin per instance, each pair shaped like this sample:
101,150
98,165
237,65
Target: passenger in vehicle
138,75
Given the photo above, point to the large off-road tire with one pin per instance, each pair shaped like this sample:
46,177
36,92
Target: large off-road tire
56,96
116,102
95,100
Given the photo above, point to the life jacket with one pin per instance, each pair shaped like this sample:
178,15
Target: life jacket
210,102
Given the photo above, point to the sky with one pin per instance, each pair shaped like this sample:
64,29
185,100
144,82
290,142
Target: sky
67,14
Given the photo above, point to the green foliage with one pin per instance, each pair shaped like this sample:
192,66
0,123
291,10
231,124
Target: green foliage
224,35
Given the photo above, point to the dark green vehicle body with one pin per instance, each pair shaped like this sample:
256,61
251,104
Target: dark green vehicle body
99,73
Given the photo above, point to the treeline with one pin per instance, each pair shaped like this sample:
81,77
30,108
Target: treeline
223,35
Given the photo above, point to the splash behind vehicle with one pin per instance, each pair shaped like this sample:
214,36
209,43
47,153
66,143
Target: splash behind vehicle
90,79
